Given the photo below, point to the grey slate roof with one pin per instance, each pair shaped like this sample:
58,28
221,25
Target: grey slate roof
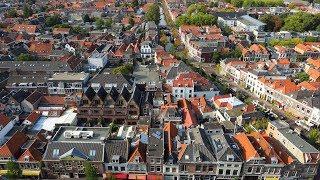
84,148
199,149
27,79
300,143
117,148
20,95
175,70
118,79
75,153
312,98
43,66
155,146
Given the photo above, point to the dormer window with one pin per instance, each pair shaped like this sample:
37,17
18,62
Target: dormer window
92,153
26,158
55,152
137,159
115,158
230,157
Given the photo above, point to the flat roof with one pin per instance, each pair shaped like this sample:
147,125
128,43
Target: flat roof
49,123
66,76
248,20
232,100
99,134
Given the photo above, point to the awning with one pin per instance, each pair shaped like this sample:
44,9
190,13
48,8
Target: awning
154,177
137,176
30,172
24,172
3,172
121,176
272,178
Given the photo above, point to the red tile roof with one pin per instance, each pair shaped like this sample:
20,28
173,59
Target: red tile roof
189,117
248,151
139,151
25,28
33,117
263,147
172,132
41,48
33,154
4,120
12,147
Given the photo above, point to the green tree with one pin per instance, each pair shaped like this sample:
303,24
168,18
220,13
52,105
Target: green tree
135,3
101,24
216,57
131,21
25,57
27,11
261,124
113,127
237,3
311,39
273,22
90,171
301,22
302,76
124,69
12,13
314,135
79,30
153,13
53,20
14,170
86,18
285,42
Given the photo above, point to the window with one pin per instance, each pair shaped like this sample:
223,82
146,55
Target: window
258,169
92,153
26,158
55,152
152,168
220,171
250,169
228,172
235,172
210,168
198,168
158,168
110,168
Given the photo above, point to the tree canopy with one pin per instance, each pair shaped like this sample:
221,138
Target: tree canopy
86,18
90,171
12,13
302,76
53,20
25,57
273,22
313,135
124,69
101,23
27,11
255,3
285,42
153,13
301,22
196,15
14,170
